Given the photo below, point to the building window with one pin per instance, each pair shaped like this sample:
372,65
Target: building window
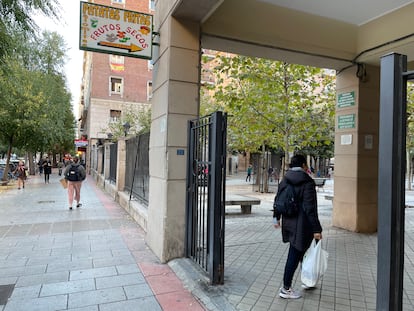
118,1
152,5
116,62
149,90
116,85
114,115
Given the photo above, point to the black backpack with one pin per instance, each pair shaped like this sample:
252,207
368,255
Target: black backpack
286,201
73,173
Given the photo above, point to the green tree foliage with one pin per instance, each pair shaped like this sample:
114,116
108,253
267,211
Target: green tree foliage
279,105
139,121
410,132
35,109
16,16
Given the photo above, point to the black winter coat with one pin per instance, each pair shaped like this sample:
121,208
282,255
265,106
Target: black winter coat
299,229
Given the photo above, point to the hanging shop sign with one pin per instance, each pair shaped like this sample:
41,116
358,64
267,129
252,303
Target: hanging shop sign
115,31
81,143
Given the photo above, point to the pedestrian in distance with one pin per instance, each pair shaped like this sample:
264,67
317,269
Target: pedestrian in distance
40,165
249,173
20,173
75,174
60,167
270,173
47,169
301,228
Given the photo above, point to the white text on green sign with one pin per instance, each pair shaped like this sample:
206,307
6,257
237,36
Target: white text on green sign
115,31
346,99
346,121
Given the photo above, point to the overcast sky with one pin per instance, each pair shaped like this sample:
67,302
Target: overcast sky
68,28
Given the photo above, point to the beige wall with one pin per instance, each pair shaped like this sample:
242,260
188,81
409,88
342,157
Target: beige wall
176,72
356,163
100,113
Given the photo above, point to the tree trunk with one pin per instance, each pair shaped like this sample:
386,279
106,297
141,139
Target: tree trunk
9,151
409,173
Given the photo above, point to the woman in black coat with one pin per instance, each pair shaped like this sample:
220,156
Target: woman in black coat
299,230
47,169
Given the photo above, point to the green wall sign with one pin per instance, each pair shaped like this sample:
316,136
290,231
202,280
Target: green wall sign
346,121
346,99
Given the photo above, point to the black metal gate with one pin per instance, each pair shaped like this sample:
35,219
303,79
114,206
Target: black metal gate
206,174
391,181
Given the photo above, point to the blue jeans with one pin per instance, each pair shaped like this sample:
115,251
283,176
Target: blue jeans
292,262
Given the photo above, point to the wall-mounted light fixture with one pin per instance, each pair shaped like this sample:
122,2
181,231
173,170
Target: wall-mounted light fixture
126,127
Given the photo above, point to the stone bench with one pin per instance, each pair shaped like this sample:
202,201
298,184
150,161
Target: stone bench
245,202
329,197
319,182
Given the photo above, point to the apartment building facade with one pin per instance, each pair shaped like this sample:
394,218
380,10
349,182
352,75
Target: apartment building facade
112,86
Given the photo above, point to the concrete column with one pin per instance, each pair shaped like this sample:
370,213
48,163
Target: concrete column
121,165
107,164
174,102
100,156
356,151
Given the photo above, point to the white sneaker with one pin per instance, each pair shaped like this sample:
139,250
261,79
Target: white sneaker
289,293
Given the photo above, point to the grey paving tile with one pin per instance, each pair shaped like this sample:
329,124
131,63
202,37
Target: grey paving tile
44,260
114,261
20,271
42,278
119,280
141,304
8,280
138,291
81,264
121,252
126,269
26,292
91,255
89,308
38,304
92,273
99,246
11,263
67,287
101,296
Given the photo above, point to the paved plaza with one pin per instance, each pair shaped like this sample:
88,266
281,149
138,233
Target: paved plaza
255,259
95,258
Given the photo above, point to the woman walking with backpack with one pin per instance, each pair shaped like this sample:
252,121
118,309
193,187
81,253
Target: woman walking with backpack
299,228
75,174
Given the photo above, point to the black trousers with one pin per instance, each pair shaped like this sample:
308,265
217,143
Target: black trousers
292,262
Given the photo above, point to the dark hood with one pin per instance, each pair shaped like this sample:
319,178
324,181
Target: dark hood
297,177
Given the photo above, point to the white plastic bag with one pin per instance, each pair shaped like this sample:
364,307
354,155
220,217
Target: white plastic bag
314,264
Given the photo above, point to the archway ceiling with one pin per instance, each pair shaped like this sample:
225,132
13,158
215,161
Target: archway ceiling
324,33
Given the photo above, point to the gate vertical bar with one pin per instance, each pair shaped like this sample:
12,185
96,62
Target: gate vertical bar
217,197
189,234
391,183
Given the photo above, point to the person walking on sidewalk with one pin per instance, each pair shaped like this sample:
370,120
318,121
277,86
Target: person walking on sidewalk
75,174
47,169
301,228
60,167
249,173
20,173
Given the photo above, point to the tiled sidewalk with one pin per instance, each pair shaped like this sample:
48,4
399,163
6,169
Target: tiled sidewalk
255,257
88,259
